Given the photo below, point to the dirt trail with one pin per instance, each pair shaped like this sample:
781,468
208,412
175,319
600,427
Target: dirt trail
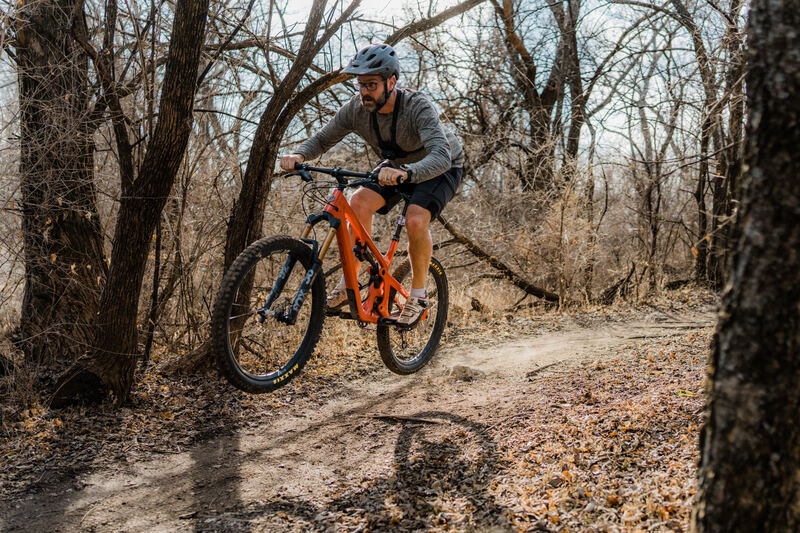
294,467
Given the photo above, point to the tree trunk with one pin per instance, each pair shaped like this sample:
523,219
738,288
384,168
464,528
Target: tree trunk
115,350
727,190
719,247
63,243
751,442
701,247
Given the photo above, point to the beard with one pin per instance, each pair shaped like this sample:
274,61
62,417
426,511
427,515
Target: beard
370,104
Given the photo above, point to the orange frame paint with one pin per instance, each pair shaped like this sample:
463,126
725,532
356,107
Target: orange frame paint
339,208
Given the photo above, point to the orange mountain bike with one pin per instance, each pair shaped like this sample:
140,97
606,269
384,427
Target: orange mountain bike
269,310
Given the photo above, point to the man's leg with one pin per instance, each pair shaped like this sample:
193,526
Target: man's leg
420,248
420,245
433,194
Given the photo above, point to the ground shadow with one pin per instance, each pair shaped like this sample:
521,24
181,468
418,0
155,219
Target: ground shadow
439,480
216,494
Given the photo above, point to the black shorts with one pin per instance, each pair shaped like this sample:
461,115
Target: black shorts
432,194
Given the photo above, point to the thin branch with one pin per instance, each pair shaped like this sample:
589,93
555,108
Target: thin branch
220,49
431,22
512,276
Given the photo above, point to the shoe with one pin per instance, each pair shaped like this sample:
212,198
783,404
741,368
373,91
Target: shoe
337,298
412,312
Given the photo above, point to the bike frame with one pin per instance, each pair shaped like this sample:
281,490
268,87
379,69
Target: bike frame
339,214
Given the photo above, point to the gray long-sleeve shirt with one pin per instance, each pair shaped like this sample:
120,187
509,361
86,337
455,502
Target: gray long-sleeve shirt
433,149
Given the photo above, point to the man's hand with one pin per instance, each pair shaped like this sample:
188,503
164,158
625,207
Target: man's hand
389,176
288,161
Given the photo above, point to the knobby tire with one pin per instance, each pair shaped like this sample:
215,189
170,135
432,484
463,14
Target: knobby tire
256,339
417,354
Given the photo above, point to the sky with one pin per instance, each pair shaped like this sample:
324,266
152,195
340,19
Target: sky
373,9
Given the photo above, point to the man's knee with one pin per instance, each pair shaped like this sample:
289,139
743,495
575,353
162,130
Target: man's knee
366,202
418,219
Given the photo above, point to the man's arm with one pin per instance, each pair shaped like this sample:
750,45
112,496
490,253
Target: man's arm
333,132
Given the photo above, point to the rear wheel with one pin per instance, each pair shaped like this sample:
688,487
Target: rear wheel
256,347
405,351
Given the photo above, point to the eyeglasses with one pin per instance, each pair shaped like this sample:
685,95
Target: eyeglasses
369,86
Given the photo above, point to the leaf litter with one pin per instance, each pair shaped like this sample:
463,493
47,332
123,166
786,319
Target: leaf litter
609,444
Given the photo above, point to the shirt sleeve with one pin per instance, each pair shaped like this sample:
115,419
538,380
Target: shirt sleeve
432,134
333,132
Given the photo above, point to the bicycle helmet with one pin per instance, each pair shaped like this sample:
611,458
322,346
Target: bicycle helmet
374,59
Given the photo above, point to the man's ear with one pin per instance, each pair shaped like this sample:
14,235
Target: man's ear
391,82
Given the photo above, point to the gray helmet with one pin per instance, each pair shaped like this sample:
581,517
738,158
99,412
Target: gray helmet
374,59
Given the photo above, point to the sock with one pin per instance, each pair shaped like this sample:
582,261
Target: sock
417,293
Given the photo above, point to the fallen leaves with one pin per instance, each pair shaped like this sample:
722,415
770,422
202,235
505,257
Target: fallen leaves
607,444
631,451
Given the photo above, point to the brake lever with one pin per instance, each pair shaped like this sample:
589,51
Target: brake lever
305,175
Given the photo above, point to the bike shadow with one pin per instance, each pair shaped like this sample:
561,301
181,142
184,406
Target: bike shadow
442,473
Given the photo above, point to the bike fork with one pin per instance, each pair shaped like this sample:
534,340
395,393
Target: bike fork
277,288
290,315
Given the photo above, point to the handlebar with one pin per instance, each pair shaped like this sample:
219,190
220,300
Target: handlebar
339,174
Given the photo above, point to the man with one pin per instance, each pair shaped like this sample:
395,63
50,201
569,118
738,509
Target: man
422,159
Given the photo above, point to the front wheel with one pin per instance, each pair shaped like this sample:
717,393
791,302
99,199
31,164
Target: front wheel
259,341
404,351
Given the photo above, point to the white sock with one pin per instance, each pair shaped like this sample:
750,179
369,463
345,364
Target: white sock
417,293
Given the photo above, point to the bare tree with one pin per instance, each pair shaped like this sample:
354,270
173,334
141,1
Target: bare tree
65,267
111,361
717,144
539,102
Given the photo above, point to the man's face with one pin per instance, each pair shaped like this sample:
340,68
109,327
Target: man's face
373,92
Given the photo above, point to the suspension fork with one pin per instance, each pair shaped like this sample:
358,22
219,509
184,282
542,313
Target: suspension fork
311,274
289,316
277,287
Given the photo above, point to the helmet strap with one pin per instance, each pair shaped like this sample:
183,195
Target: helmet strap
386,96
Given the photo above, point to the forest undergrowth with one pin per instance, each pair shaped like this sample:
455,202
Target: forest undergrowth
608,444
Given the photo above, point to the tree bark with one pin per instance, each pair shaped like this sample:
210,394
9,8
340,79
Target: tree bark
115,350
63,243
751,442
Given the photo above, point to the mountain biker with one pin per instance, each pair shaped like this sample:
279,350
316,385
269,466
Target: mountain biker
422,159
